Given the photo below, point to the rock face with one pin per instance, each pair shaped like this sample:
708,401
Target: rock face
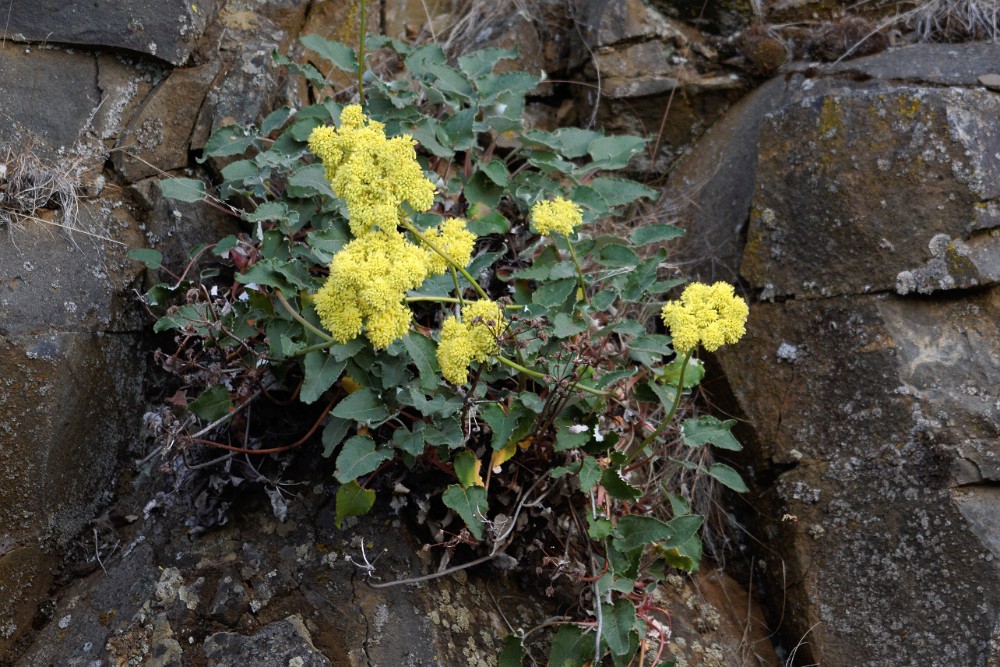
260,593
860,208
168,29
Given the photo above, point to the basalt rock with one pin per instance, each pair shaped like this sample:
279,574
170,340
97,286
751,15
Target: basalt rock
858,205
167,30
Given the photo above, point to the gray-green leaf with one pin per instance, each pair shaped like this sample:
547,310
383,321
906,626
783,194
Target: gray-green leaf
728,476
183,189
359,457
708,429
322,370
470,504
361,406
213,403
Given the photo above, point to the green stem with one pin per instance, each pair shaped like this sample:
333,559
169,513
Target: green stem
410,227
670,415
541,376
458,290
361,55
451,299
313,348
579,271
301,320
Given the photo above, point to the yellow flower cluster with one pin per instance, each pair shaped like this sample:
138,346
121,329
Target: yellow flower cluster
558,216
367,284
373,174
474,339
708,315
452,238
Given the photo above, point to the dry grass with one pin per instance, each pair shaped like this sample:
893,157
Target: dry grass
30,184
956,20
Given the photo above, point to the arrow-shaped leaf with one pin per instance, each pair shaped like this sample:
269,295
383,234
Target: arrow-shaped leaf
470,504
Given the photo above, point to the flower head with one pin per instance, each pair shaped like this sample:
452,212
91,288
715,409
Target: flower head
453,239
373,174
475,338
368,281
557,216
711,316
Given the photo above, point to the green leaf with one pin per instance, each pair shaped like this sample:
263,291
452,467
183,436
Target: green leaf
635,531
341,55
728,476
566,439
190,314
708,429
685,556
564,326
532,401
361,406
571,647
643,276
504,425
229,140
590,473
322,370
496,171
333,434
183,189
151,258
617,487
655,234
683,529
226,244
275,120
309,181
551,295
424,355
693,373
649,349
504,86
614,152
572,142
621,191
359,457
457,131
447,433
665,392
491,223
240,170
470,504
619,620
276,211
411,442
480,189
213,403
480,63
467,469
608,379
513,654
615,255
598,529
352,500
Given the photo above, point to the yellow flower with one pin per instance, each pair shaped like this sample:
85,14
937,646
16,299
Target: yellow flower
373,174
475,338
452,238
708,315
558,216
368,281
